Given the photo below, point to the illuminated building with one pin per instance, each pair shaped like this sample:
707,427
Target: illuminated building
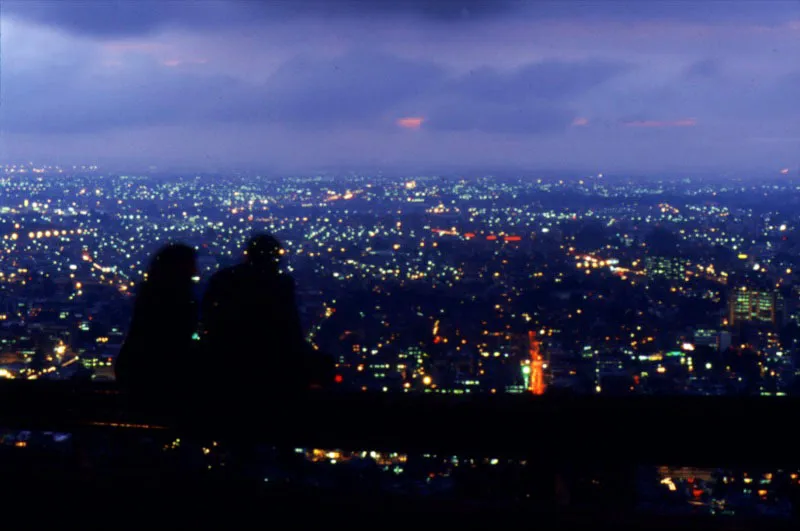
755,306
720,340
536,383
666,267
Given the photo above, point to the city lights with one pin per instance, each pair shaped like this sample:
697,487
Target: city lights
441,297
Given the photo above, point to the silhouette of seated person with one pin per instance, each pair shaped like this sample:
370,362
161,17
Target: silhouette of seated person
157,353
251,324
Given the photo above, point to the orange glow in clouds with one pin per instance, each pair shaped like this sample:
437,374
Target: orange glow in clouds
410,122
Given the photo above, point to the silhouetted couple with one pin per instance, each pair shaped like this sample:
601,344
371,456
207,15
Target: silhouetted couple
251,340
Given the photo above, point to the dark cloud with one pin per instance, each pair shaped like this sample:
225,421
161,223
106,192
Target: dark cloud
702,12
716,102
356,89
787,87
125,18
532,99
551,80
34,103
107,18
703,70
499,118
434,9
316,78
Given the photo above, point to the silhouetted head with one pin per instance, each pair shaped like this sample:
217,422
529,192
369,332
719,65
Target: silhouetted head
175,264
264,252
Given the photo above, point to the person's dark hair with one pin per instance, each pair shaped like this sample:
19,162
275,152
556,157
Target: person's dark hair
264,251
172,264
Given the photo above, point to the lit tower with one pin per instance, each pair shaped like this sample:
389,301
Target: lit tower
536,382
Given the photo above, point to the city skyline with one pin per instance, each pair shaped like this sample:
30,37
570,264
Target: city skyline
601,285
402,86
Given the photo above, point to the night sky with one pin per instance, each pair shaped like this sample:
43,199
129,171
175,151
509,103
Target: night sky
302,86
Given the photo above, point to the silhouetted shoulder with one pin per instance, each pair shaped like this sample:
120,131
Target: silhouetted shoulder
223,283
227,275
153,359
286,282
282,289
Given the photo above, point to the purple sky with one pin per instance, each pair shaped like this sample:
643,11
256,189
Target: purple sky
304,85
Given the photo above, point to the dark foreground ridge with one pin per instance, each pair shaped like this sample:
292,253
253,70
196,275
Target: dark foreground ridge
702,431
556,431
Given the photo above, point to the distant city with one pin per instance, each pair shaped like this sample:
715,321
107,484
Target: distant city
592,285
596,284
